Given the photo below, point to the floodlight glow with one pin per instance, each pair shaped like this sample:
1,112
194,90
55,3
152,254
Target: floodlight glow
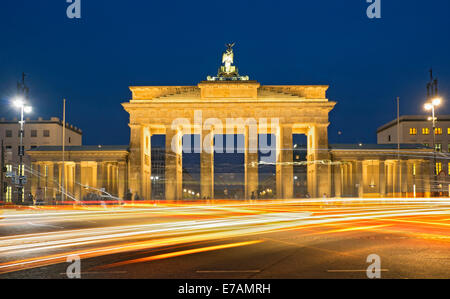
28,109
428,106
436,101
18,102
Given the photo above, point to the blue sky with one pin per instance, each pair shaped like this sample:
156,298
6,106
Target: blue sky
92,61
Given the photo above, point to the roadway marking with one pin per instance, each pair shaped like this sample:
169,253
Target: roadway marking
99,273
228,271
345,271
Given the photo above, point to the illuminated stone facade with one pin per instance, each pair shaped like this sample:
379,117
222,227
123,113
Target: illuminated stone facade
332,170
365,171
298,109
230,104
87,169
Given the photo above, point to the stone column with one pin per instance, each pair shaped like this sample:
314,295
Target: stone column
115,169
44,180
395,178
50,182
136,155
359,178
207,164
101,175
34,178
107,176
104,170
351,179
56,179
284,166
427,176
94,174
122,179
403,178
70,178
174,166
147,164
77,185
410,178
418,179
251,162
318,161
382,182
389,179
337,180
344,178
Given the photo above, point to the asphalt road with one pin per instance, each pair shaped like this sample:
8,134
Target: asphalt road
256,240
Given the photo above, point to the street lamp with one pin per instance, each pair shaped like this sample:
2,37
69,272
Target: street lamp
432,106
19,103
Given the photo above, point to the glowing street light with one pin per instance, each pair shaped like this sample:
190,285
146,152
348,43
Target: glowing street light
19,103
28,109
436,101
432,106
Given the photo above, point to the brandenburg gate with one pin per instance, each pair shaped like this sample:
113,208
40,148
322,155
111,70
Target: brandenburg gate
206,110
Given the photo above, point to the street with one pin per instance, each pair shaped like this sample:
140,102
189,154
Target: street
326,238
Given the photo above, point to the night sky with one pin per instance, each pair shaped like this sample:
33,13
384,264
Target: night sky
92,61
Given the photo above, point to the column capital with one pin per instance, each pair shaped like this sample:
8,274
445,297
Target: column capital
135,126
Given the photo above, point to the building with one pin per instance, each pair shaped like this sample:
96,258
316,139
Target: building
37,133
418,129
100,170
380,170
230,104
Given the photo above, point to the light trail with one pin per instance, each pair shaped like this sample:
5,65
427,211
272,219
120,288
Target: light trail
178,224
179,253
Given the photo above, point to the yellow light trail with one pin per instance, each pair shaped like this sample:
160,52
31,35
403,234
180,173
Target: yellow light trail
179,224
179,253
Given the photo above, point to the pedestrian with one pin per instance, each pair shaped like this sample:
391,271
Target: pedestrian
29,200
136,197
39,197
129,196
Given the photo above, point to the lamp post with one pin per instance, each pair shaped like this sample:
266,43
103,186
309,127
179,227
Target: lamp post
431,106
20,104
398,149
